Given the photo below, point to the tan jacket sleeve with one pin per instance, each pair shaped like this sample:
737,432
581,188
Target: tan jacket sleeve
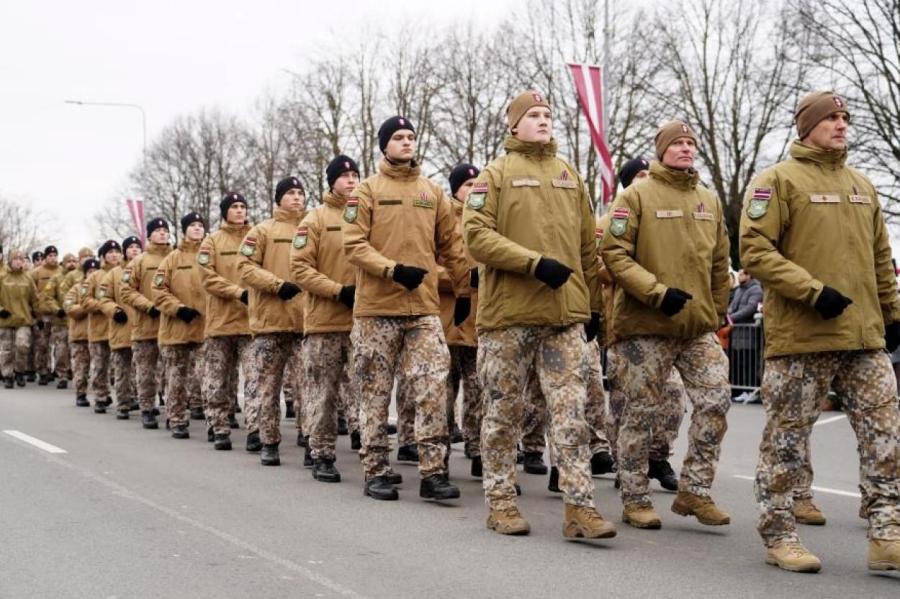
252,273
485,244
884,269
357,248
107,305
589,251
72,306
720,280
131,294
163,298
760,255
305,262
48,296
90,302
449,246
618,255
214,283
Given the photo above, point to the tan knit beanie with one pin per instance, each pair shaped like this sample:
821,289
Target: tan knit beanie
522,104
815,108
668,133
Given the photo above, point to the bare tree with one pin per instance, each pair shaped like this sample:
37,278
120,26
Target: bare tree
21,227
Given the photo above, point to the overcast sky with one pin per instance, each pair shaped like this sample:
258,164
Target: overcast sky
171,57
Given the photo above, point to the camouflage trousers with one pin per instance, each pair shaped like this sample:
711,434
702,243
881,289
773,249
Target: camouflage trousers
293,395
646,363
464,374
534,416
669,413
99,370
182,380
406,414
15,344
124,382
414,349
146,363
506,357
268,356
81,365
223,358
59,343
348,398
327,369
791,390
41,346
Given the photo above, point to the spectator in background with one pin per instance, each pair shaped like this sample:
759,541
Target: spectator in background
746,341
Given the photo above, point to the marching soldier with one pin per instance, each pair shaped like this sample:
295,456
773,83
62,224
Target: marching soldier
320,268
394,229
813,233
42,275
79,346
18,306
98,325
276,313
669,231
529,221
177,294
225,351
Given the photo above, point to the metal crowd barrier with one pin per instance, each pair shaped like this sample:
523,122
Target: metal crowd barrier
745,358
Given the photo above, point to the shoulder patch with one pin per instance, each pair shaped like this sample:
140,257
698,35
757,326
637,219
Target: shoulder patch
158,280
351,209
618,223
301,237
248,246
203,257
126,275
759,202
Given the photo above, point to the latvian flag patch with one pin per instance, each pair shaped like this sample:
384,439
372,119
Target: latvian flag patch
762,193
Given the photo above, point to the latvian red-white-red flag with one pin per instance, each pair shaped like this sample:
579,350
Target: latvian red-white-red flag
136,209
589,85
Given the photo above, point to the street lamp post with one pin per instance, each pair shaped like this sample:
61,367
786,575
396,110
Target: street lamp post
121,105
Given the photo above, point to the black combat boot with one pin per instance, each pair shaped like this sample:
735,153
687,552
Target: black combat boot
62,384
197,414
476,466
456,435
155,411
534,463
390,429
325,472
9,382
232,421
307,458
438,487
222,442
289,410
342,426
82,401
408,453
269,455
253,442
20,379
602,463
553,484
662,471
148,420
395,478
210,435
355,441
29,376
99,407
134,406
121,414
43,380
380,488
180,431
301,440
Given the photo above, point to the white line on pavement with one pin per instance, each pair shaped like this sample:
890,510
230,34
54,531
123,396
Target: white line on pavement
36,442
830,420
814,488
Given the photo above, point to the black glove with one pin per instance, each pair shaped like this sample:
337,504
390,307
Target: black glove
674,301
892,336
5,313
347,295
831,303
473,278
120,316
409,276
245,297
592,327
60,313
461,310
153,312
40,324
186,314
552,273
287,291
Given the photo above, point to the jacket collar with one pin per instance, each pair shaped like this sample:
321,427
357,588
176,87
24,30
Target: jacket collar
186,245
807,153
333,200
679,179
404,172
284,215
532,149
160,249
231,228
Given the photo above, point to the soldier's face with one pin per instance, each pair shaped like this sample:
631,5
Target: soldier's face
680,153
535,126
51,260
113,257
641,175
133,251
237,214
831,132
402,146
462,194
195,231
160,236
70,264
293,200
345,185
17,262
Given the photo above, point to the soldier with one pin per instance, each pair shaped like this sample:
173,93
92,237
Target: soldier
276,313
42,274
121,326
137,288
18,306
177,294
393,231
52,298
37,258
319,266
98,324
664,232
79,348
816,336
462,340
539,287
227,333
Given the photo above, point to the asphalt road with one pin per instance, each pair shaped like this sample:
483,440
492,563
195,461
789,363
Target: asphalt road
131,513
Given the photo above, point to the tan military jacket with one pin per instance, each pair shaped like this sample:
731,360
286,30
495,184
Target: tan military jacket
42,277
98,322
177,283
111,291
218,263
319,266
265,264
137,290
464,334
77,315
19,296
400,217
525,205
811,221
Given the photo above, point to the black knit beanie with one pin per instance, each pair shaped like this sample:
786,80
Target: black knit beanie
285,185
338,166
156,223
189,218
630,169
108,246
460,174
391,126
129,241
228,200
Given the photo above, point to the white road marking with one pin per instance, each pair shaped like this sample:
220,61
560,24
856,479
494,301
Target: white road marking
36,442
814,488
830,420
